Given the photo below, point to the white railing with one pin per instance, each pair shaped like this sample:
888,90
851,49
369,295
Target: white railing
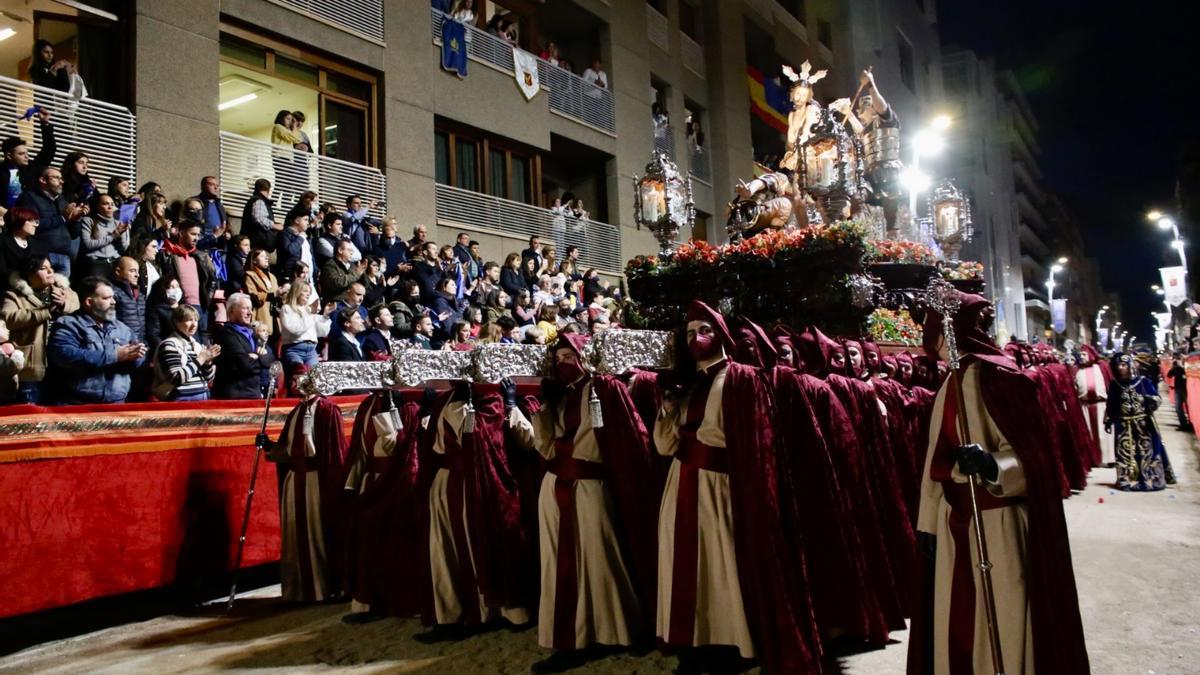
693,55
360,17
245,160
698,165
599,243
107,133
664,139
657,32
570,95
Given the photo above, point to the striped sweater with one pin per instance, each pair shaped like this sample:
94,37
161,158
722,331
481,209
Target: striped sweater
176,370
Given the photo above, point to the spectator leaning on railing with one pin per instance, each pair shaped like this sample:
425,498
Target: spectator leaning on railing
36,297
244,359
92,355
20,172
184,368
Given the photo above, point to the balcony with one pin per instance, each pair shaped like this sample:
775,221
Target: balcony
245,160
106,132
664,139
599,243
570,95
657,32
363,18
698,164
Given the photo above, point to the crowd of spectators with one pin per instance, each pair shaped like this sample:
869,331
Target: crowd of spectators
113,295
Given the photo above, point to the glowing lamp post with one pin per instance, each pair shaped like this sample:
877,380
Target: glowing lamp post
950,218
662,201
828,170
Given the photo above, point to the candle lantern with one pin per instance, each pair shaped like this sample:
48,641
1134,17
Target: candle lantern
950,218
662,201
828,167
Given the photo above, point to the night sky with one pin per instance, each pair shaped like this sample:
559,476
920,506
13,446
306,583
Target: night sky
1114,87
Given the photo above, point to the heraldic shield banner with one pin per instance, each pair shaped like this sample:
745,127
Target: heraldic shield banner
526,72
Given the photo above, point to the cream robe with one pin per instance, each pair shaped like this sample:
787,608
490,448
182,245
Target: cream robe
443,556
1108,453
606,611
1006,536
720,614
289,555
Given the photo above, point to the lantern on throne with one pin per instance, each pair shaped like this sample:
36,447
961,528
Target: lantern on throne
828,167
662,202
950,218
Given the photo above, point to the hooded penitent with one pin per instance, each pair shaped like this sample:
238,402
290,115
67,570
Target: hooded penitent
1010,399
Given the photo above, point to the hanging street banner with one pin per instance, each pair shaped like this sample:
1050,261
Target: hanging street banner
1103,335
1058,314
526,73
1172,283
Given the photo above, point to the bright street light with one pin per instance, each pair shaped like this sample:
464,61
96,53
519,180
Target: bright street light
1154,215
1160,291
928,143
915,180
1062,260
1154,287
940,123
1105,308
1056,268
1165,223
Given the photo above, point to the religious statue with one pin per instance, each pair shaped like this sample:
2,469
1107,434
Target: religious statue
805,110
770,201
877,128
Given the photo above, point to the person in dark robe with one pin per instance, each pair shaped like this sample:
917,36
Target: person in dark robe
312,450
1141,458
597,547
1003,447
835,400
726,575
475,548
382,530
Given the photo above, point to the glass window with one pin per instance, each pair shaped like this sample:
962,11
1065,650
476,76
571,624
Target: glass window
345,132
689,21
905,52
796,9
825,33
498,177
295,70
466,156
520,180
441,158
348,86
244,52
659,5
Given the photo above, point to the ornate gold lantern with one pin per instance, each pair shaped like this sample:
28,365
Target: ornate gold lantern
828,167
950,218
662,201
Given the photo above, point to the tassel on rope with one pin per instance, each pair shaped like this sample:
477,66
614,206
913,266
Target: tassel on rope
597,416
469,416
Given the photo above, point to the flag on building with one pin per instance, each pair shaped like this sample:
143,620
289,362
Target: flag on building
454,47
1173,287
768,100
525,71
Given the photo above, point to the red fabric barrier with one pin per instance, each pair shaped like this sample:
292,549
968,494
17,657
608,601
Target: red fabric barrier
1192,366
100,500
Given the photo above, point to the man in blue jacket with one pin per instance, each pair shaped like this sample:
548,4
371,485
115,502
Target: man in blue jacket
91,353
59,227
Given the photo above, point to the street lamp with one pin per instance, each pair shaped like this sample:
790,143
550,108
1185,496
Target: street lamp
1098,315
1168,223
928,142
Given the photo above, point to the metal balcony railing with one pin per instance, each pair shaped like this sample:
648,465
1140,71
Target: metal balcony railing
698,164
570,95
107,133
360,17
245,160
599,243
664,138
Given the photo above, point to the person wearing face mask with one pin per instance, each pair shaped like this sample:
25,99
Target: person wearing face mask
720,599
598,548
91,354
163,300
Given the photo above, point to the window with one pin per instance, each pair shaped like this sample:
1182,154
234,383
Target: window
689,21
825,34
470,159
260,76
659,6
466,160
498,174
907,67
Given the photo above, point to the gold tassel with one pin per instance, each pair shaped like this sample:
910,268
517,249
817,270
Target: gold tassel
469,416
594,410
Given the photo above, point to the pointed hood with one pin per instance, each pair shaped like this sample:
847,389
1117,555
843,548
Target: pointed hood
698,311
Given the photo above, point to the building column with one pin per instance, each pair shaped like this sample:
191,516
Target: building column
731,153
176,93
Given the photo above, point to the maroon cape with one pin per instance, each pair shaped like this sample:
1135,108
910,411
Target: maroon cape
383,534
1058,643
1072,474
1086,448
499,541
771,577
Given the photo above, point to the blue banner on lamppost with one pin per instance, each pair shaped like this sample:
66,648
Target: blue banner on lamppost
1058,314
